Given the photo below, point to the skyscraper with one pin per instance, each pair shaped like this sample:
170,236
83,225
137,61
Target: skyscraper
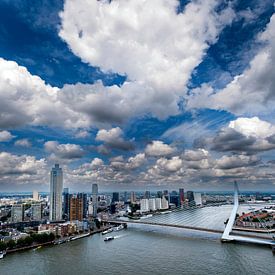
56,188
133,197
174,198
94,198
125,197
76,208
190,197
115,197
181,193
66,203
83,196
147,195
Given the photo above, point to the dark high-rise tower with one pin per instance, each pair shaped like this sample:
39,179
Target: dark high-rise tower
181,194
56,188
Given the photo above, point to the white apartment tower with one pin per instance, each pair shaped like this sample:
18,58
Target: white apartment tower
56,188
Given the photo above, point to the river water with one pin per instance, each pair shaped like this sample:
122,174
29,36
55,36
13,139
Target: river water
144,249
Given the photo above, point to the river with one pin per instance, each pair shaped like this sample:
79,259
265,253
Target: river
143,251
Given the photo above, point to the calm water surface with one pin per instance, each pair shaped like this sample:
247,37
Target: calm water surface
145,251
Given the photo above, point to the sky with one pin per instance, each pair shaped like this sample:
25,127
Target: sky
135,95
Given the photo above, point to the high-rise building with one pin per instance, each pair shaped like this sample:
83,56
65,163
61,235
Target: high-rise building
125,197
115,197
159,194
66,203
76,208
56,188
164,203
36,210
197,198
181,194
190,197
147,195
35,195
174,198
17,212
83,196
95,199
133,197
90,209
166,195
158,203
144,205
152,204
113,208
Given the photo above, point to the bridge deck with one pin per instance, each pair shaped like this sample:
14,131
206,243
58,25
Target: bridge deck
167,225
252,240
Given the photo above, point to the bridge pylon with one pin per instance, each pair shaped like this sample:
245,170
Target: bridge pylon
226,234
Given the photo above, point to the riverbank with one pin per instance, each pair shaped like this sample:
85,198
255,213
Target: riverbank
63,240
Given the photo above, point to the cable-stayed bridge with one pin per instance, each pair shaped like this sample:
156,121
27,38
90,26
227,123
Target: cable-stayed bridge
214,218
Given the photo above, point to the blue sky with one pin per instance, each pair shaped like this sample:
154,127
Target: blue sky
131,98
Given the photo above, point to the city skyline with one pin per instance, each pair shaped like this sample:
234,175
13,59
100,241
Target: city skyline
135,100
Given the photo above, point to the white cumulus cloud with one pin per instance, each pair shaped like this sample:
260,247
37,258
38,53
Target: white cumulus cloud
5,136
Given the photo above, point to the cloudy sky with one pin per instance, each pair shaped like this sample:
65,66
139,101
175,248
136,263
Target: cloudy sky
137,94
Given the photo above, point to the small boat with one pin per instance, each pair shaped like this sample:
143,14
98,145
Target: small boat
118,228
38,247
107,231
1,255
109,238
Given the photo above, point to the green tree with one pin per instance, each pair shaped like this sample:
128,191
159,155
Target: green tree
11,244
28,240
3,246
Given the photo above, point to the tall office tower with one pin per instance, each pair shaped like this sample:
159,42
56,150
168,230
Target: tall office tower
147,195
190,197
197,198
56,189
17,212
181,193
115,197
76,208
174,198
125,197
83,196
35,195
95,198
36,209
159,194
166,194
133,197
66,203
